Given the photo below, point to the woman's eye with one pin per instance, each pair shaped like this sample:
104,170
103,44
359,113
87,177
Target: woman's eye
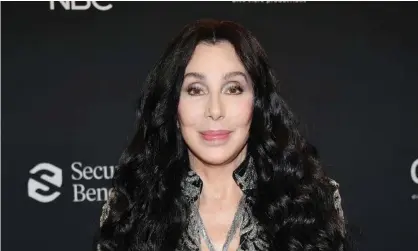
194,91
235,90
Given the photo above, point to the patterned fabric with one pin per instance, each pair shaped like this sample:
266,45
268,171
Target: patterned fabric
251,233
337,198
251,236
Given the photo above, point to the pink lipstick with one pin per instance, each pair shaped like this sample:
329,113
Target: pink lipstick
211,135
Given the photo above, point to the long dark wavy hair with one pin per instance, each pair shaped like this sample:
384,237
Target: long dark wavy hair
294,199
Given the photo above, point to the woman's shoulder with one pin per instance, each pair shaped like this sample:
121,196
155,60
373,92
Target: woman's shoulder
105,210
338,204
106,207
337,197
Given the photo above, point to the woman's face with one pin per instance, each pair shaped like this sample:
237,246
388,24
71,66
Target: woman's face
216,104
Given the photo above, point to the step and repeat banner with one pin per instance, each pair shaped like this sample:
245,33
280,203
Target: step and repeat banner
71,72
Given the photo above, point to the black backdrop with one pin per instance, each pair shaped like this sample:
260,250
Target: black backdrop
70,79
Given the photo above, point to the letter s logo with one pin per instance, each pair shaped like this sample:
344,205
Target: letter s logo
41,191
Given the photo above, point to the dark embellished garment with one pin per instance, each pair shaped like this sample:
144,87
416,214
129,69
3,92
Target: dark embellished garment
251,236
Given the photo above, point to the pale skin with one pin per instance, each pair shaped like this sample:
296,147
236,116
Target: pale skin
217,94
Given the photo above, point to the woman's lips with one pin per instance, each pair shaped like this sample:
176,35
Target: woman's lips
215,135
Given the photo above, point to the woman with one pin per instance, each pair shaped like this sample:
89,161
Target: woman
217,162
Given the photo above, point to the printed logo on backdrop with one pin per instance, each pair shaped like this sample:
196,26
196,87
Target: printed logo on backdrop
414,176
80,5
50,179
45,188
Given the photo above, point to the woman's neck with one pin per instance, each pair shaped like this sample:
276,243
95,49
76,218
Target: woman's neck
218,181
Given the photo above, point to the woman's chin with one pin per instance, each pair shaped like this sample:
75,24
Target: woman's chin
215,157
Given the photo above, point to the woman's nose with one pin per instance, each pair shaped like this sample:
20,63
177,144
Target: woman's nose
214,109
